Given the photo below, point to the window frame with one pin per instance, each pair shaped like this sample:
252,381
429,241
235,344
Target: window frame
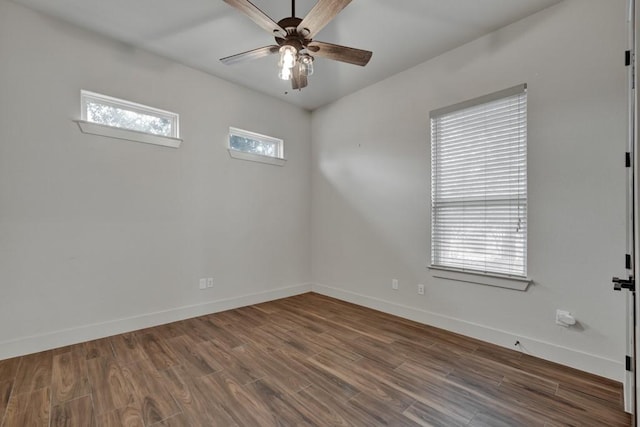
96,128
499,279
278,160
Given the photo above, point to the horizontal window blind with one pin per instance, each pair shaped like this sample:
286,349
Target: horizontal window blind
479,184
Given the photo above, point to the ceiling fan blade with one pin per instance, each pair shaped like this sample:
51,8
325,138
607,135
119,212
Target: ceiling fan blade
321,14
298,80
340,53
258,16
261,52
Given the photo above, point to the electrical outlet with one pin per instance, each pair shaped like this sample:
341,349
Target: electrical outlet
210,282
394,284
420,289
203,283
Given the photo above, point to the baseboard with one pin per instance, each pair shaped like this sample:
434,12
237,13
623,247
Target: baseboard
60,338
574,358
566,356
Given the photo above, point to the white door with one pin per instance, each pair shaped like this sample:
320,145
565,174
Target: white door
633,258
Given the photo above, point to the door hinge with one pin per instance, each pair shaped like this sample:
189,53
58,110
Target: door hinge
627,262
628,364
627,58
620,284
627,159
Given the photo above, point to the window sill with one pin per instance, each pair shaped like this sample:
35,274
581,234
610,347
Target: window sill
514,283
256,158
127,134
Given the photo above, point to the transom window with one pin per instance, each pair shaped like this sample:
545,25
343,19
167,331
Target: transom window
479,185
119,113
254,143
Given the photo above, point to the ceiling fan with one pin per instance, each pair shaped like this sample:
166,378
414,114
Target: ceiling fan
294,38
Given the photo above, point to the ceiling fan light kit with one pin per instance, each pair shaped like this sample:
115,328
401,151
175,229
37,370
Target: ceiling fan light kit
294,38
287,61
291,57
306,64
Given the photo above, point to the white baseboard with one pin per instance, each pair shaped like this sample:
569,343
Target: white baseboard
574,358
566,356
60,338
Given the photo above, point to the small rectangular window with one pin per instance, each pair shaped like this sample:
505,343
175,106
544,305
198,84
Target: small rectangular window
122,114
254,143
479,185
253,146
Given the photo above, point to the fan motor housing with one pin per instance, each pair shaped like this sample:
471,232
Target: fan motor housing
293,38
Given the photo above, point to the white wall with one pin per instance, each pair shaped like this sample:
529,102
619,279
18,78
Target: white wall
98,235
371,183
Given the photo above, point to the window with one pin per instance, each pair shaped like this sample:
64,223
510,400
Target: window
119,113
118,118
479,185
253,146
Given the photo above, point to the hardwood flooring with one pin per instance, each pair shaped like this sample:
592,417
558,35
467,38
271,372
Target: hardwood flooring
304,360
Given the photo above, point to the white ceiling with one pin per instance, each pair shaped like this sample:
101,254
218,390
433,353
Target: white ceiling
198,33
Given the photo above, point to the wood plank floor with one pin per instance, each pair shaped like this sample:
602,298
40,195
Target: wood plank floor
304,360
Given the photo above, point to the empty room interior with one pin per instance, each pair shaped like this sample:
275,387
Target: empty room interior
350,213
